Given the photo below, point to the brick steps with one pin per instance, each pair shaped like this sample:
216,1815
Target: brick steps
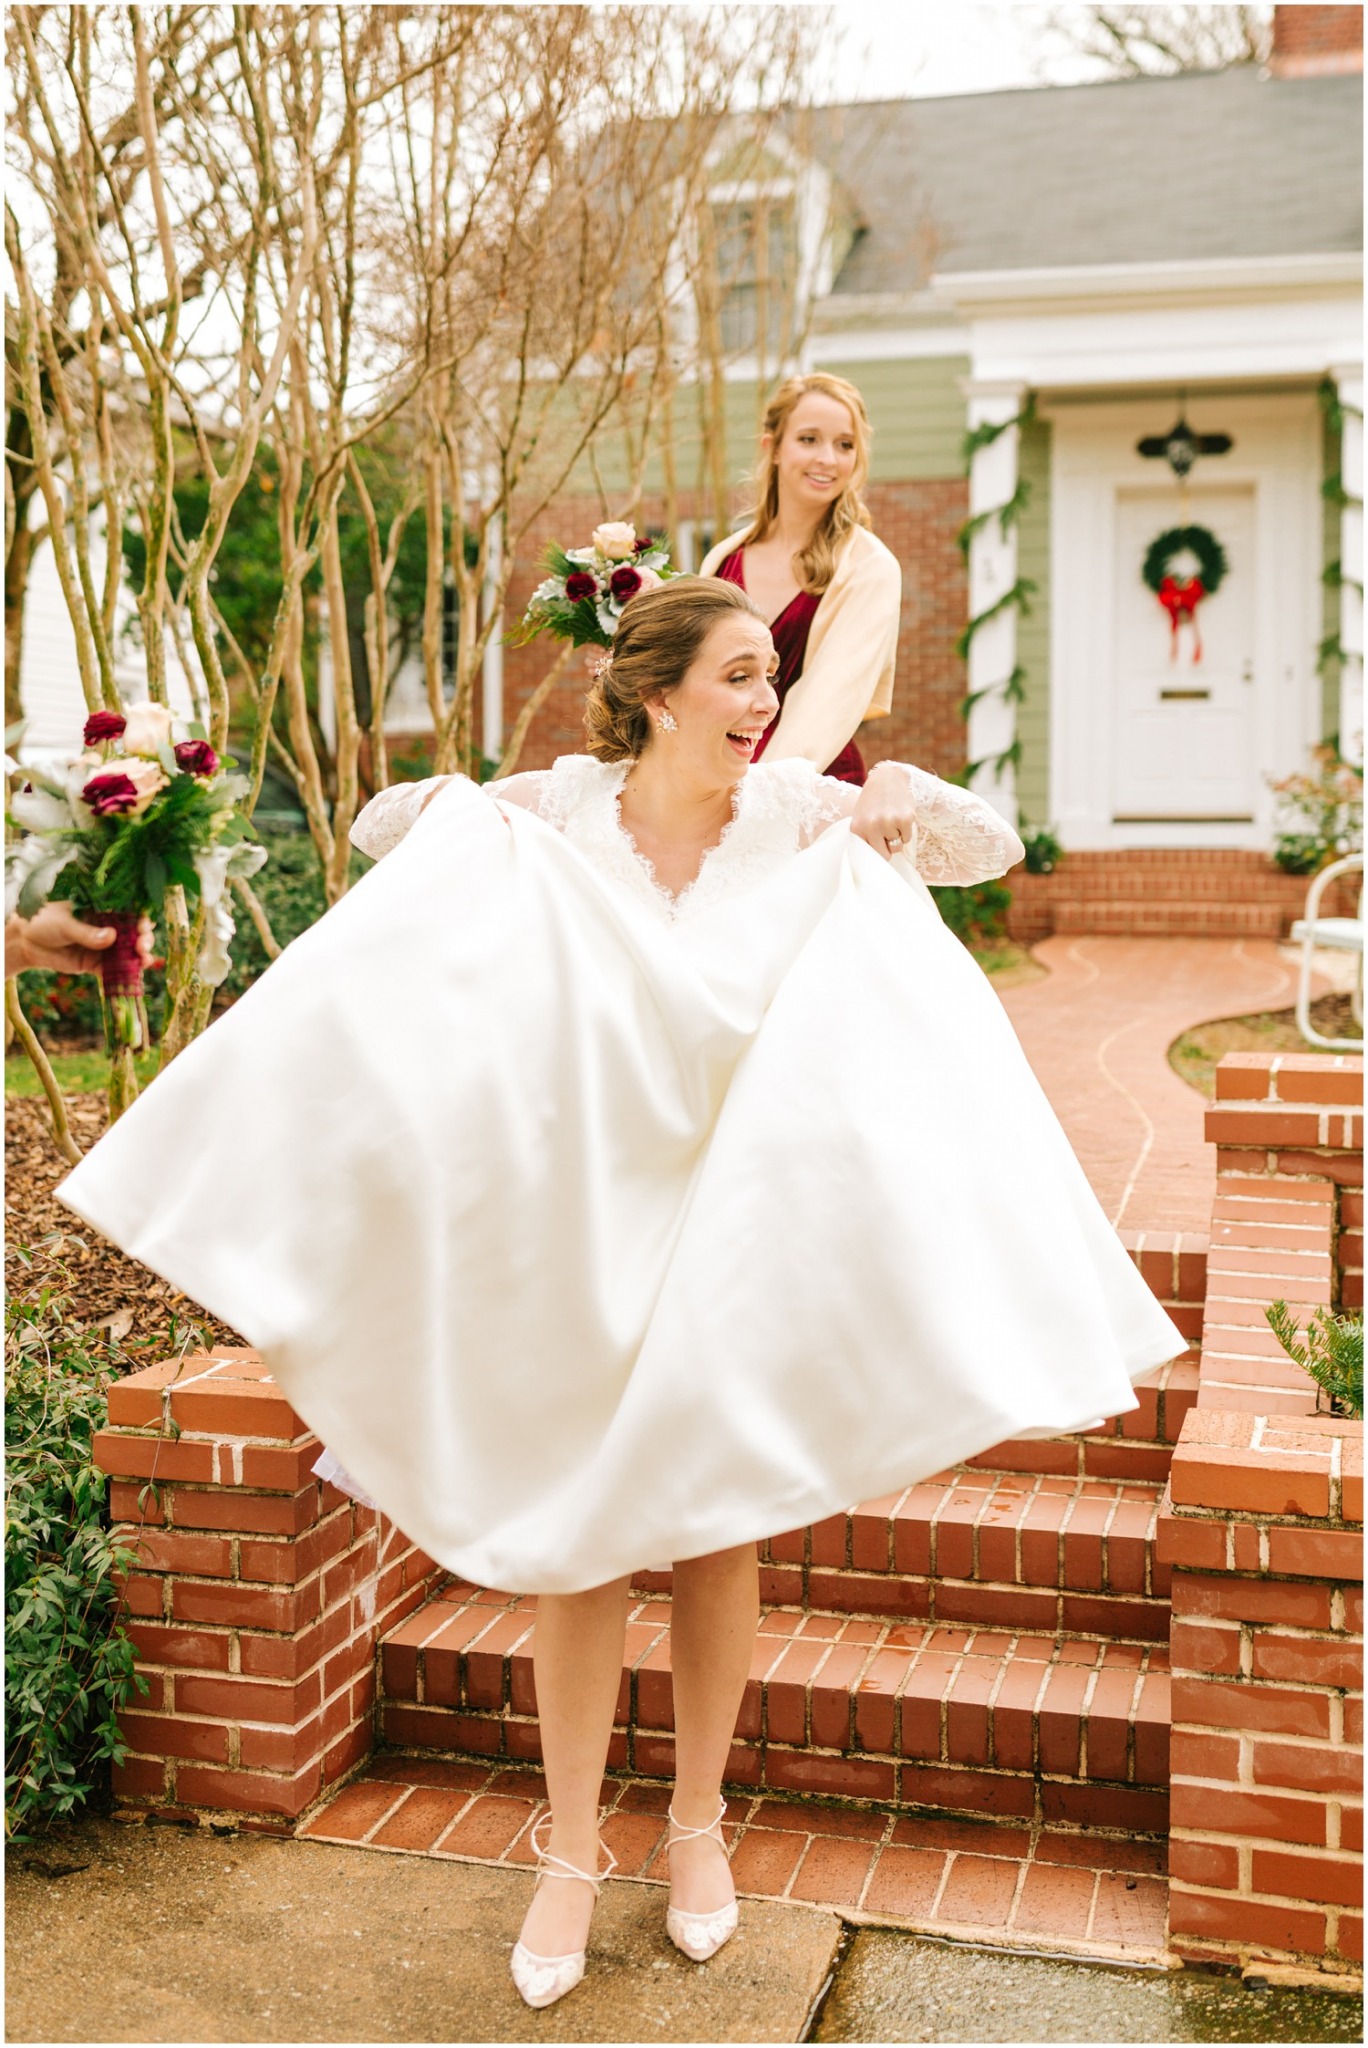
1174,892
1173,919
991,1641
1023,1550
1062,1730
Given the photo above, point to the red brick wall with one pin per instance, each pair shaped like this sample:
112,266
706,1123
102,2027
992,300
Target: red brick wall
257,1597
1308,41
1264,1532
918,521
1262,1527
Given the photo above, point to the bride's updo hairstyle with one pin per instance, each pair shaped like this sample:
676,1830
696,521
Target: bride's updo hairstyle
656,643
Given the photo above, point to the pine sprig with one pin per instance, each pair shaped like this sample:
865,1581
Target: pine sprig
1332,1353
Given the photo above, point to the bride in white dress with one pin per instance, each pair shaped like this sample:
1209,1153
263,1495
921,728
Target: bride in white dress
630,1167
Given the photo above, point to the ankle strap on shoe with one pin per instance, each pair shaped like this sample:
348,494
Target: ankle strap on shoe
683,1834
556,1866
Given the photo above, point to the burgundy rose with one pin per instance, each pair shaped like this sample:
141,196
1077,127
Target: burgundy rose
644,543
196,757
579,583
625,583
102,726
110,794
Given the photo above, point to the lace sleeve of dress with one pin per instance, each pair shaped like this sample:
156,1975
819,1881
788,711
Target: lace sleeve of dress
793,790
530,791
960,838
390,814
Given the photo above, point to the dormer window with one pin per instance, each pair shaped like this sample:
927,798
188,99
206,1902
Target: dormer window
757,249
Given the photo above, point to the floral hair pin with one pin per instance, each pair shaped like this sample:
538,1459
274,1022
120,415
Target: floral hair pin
601,666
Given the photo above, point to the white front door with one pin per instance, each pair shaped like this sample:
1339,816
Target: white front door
1131,763
1185,725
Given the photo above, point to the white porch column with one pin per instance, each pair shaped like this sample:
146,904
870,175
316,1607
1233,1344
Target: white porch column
327,682
492,671
992,571
1349,386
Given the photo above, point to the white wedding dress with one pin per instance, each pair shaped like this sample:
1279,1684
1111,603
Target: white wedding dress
593,1228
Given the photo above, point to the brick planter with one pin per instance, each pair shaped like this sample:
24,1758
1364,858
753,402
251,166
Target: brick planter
257,1600
1262,1528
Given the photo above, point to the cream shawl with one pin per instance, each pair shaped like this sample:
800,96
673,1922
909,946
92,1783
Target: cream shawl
848,674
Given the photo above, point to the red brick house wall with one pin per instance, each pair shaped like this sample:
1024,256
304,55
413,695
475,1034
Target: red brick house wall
1308,42
918,521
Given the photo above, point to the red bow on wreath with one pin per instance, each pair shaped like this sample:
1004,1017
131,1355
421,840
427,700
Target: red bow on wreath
1180,601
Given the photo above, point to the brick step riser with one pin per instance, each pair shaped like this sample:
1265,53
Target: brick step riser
1061,1557
1174,920
880,1782
958,1604
1019,1727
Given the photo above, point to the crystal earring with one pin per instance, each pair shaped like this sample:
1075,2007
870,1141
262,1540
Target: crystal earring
668,723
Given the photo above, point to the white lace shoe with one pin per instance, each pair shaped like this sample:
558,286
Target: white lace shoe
541,1980
700,1935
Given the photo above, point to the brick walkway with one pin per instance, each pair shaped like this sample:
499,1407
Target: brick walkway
1097,1031
1031,1886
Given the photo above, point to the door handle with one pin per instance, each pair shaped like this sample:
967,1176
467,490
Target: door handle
1181,696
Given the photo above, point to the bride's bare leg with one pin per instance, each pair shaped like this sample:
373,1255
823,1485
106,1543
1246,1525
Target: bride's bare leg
715,1607
577,1663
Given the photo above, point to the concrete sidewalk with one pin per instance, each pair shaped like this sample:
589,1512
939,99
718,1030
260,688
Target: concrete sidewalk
163,1935
1096,1031
158,1934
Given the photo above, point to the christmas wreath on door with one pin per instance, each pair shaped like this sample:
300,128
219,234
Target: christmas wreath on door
1180,594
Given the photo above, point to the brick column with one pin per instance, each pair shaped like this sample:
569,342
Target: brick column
256,1601
1262,1526
1263,1529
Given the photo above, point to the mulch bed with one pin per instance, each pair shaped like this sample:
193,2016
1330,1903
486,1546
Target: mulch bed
146,1318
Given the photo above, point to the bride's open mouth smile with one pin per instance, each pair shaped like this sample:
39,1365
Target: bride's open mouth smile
745,743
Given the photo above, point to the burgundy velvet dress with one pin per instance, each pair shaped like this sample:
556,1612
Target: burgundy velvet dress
790,635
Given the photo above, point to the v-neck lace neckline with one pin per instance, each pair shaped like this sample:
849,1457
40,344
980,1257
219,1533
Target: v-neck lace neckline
647,866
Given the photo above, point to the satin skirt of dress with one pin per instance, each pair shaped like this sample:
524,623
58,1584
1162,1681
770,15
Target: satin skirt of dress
584,1240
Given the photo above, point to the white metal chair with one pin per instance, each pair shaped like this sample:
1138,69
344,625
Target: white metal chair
1341,934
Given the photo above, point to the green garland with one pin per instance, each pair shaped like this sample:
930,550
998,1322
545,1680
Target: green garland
1195,540
1018,597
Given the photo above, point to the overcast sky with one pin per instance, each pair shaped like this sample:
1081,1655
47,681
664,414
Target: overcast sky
890,49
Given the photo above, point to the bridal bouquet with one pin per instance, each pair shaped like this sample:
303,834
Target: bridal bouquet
137,812
584,593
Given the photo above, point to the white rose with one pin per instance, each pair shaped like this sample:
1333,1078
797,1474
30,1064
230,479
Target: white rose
145,776
649,579
616,539
148,727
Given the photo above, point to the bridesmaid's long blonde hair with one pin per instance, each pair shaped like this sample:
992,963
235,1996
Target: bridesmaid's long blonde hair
816,562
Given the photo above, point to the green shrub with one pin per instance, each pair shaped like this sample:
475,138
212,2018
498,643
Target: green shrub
1043,850
290,890
68,1665
977,914
1332,1353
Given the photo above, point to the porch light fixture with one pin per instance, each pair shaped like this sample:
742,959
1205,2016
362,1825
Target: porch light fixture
1180,446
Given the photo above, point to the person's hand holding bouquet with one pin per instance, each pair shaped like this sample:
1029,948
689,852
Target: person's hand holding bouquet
139,812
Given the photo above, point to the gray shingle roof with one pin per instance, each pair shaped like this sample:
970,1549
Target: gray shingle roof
1201,166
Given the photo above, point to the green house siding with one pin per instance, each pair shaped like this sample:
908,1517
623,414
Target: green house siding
1033,630
917,411
1330,598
